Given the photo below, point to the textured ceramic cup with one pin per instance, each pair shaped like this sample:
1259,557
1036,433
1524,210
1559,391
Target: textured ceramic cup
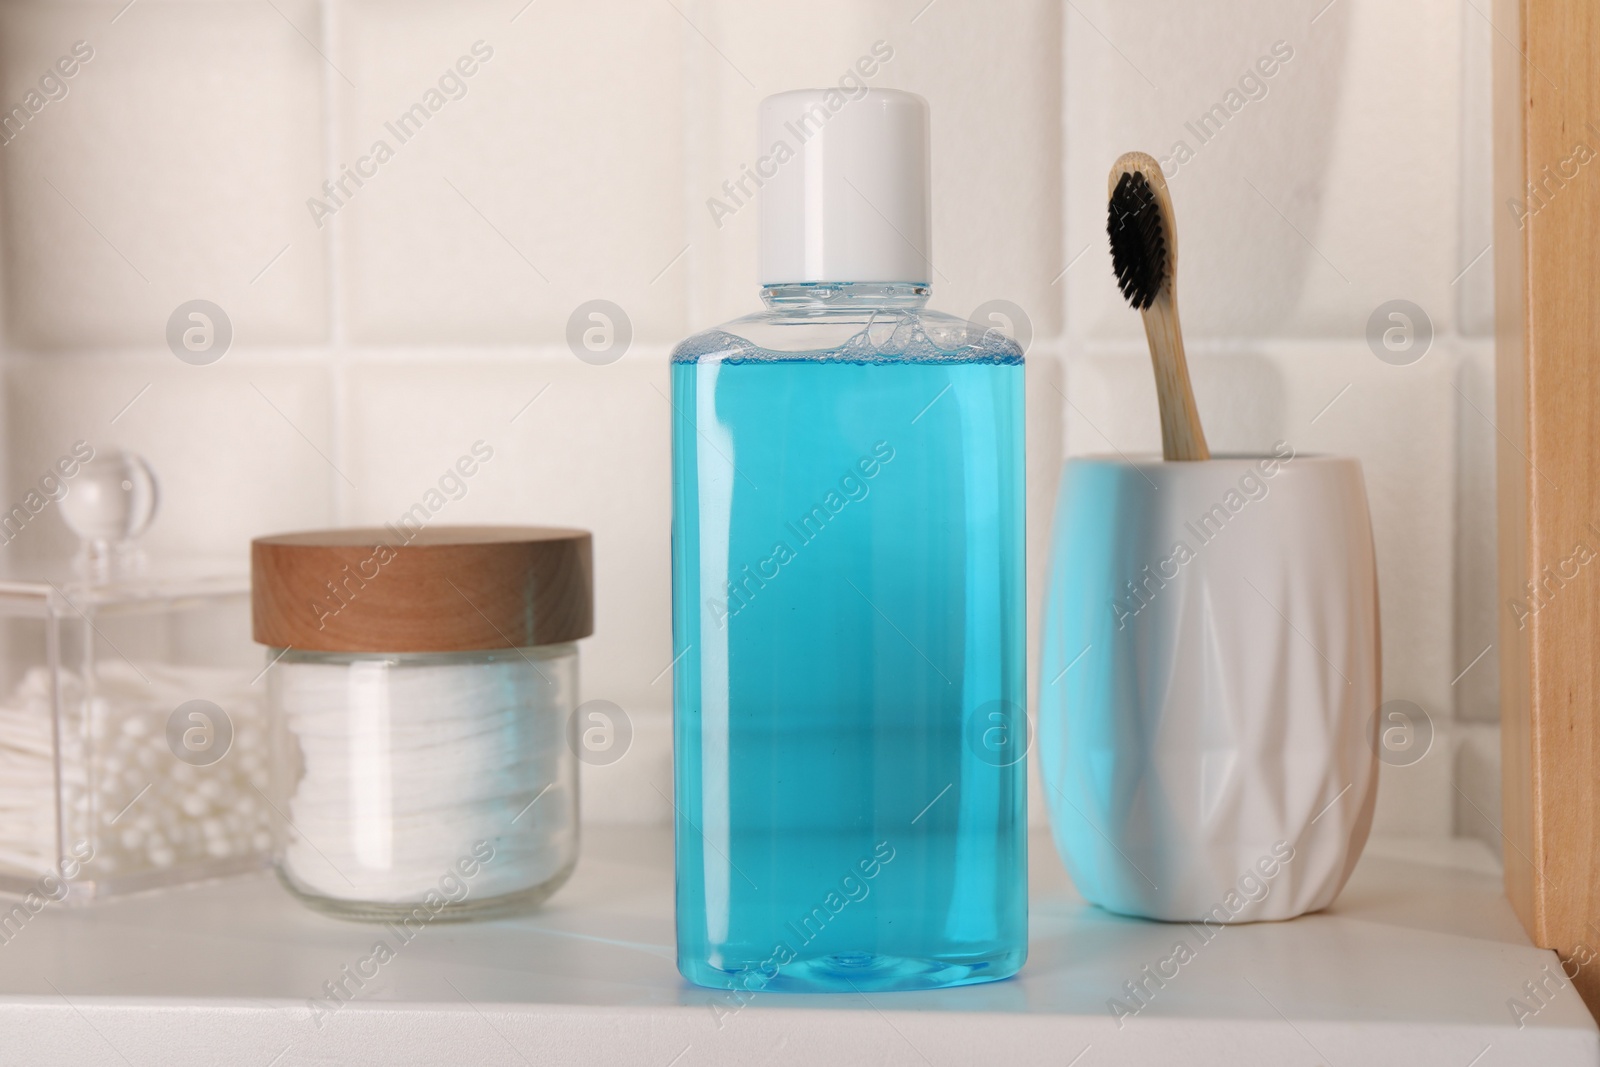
1209,683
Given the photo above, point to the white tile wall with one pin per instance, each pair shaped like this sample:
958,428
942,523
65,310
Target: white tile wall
1334,191
1477,690
1475,256
555,178
1477,780
239,447
169,171
431,306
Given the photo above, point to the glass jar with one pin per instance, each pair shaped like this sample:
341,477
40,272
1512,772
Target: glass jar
427,773
397,772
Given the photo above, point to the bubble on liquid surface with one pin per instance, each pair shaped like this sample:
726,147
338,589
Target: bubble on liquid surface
112,499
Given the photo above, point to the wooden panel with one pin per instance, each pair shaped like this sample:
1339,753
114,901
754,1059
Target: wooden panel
1547,251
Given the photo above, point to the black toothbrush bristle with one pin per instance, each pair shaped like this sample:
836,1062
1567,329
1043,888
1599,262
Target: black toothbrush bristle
1138,240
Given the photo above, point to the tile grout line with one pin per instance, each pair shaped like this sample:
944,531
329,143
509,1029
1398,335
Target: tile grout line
333,250
696,107
333,246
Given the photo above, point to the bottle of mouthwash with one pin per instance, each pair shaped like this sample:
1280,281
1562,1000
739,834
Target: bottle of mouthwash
848,605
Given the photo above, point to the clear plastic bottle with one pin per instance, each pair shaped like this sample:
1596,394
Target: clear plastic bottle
848,595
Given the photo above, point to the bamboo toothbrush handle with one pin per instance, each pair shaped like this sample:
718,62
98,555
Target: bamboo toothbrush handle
1181,435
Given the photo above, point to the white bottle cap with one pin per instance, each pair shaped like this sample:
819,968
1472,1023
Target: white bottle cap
848,201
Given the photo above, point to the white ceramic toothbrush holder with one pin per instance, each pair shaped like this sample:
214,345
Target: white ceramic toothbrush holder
1209,683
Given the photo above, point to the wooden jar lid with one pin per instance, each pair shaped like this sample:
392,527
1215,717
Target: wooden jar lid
438,589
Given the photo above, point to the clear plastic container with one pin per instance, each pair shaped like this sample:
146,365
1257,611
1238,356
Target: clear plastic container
133,747
133,735
436,779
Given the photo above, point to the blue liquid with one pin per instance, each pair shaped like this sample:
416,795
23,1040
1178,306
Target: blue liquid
848,603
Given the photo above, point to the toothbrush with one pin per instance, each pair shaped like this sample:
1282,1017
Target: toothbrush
1144,254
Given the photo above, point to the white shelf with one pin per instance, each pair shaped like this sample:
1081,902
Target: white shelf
1413,966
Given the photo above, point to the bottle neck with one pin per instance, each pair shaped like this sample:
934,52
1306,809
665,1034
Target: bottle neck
845,296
